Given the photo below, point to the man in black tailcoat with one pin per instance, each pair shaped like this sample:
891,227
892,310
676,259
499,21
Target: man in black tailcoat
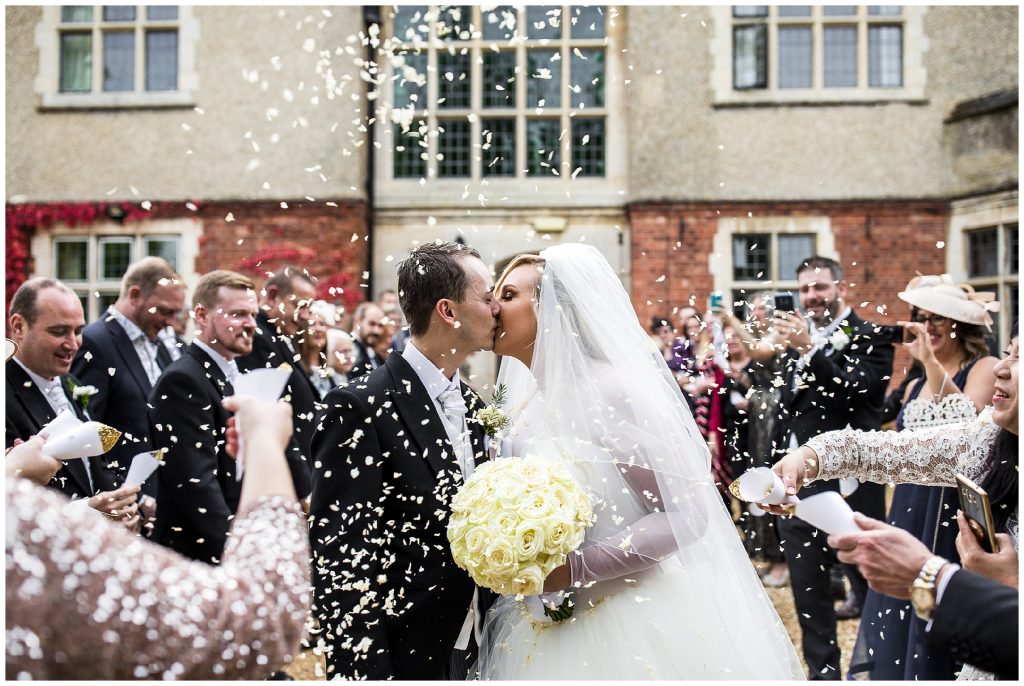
390,451
838,368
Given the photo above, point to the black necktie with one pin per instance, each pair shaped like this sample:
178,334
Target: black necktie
163,355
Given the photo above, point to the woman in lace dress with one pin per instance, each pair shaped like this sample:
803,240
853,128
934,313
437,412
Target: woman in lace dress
984,449
662,588
88,600
948,326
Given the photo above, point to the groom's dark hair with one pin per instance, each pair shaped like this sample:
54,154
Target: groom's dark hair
431,272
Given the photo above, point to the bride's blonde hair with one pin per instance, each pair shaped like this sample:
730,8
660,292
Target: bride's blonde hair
527,260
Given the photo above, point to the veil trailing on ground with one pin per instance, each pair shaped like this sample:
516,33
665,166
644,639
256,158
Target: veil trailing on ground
599,397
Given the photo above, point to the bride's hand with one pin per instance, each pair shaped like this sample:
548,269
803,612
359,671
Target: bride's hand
559,579
795,469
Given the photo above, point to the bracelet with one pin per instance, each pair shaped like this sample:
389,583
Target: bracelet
945,378
808,463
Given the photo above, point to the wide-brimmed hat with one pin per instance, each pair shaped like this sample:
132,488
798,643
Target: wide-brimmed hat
10,347
940,295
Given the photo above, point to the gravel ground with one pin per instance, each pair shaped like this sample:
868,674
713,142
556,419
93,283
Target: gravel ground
308,666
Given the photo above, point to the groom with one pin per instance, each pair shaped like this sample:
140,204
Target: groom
389,452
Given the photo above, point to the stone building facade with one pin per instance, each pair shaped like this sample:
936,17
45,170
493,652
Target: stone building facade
701,149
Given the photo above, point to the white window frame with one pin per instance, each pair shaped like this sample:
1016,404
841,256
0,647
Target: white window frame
997,210
914,46
720,261
44,253
48,80
432,189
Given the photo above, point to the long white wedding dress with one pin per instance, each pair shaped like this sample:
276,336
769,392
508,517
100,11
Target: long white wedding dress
662,586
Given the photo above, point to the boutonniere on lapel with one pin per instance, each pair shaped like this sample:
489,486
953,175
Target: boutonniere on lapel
492,418
840,338
82,394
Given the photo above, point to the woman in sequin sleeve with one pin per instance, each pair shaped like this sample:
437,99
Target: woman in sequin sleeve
88,600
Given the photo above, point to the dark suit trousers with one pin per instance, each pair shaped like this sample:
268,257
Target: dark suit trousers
809,558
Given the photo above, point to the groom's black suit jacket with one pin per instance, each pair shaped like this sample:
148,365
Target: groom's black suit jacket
384,475
28,411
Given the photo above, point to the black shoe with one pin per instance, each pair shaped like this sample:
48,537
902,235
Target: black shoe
848,610
838,584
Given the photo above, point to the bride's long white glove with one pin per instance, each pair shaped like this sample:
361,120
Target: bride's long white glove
640,545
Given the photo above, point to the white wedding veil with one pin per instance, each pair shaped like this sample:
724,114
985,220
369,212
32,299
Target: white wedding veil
599,396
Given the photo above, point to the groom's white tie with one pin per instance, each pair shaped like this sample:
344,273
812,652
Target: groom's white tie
454,407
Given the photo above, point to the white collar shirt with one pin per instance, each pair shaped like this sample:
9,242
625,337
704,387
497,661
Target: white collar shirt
437,384
227,366
53,391
144,348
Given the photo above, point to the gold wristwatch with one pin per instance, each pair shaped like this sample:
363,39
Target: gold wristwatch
922,591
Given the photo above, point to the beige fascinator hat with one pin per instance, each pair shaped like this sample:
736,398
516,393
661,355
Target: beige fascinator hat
939,294
10,347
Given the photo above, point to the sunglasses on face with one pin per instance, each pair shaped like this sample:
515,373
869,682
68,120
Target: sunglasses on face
934,320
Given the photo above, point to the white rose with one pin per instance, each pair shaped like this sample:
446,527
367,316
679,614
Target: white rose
558,536
529,580
84,392
505,523
839,340
500,558
529,539
475,540
537,505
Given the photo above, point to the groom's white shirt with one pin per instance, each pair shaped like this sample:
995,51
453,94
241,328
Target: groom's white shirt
436,383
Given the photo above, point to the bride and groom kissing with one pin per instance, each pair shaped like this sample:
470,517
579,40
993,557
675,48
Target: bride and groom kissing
661,567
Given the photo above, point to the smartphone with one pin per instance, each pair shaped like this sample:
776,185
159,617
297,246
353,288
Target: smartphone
977,509
739,310
893,334
715,301
784,302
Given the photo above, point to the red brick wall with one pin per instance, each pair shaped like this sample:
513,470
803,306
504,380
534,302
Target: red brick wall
882,245
265,236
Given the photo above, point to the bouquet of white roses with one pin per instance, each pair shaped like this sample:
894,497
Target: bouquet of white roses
514,521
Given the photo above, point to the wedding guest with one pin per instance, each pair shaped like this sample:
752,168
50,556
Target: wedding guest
313,347
94,602
46,322
662,336
765,368
681,358
340,356
971,615
284,316
837,369
948,344
367,330
197,488
126,339
700,378
399,335
391,326
984,449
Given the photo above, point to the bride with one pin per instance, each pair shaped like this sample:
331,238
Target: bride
662,587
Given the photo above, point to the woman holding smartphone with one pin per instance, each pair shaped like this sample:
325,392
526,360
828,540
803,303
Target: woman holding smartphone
984,449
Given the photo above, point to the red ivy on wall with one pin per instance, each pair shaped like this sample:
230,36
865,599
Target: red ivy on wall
24,219
339,286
